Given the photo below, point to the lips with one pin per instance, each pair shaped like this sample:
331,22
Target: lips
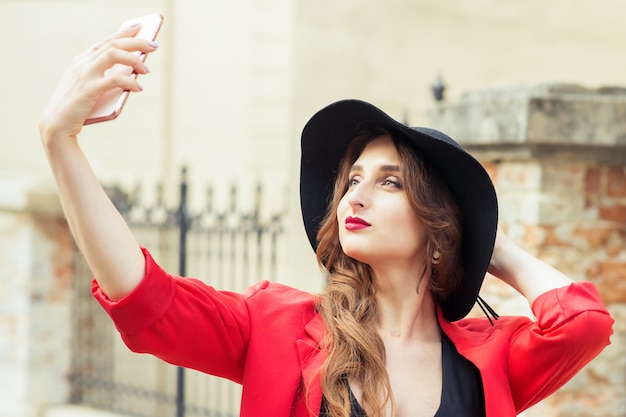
356,223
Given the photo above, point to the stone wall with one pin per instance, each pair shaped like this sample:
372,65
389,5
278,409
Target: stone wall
35,275
557,155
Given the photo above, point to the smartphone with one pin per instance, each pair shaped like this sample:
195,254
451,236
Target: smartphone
109,106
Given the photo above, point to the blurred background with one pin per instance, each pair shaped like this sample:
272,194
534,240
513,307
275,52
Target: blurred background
231,86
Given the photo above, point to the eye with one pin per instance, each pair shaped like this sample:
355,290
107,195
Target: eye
352,181
392,182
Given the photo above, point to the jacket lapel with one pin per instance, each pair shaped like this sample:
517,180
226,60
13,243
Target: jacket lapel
312,355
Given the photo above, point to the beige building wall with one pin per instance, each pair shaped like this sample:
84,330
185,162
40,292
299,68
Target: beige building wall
234,82
390,52
218,99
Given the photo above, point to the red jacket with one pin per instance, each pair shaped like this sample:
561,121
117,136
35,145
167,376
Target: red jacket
270,337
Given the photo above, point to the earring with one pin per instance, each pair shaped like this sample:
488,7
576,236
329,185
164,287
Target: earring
436,257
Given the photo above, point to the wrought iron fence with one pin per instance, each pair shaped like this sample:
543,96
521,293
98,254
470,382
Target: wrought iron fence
232,248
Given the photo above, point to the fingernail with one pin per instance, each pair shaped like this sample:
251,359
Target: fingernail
139,87
153,44
146,68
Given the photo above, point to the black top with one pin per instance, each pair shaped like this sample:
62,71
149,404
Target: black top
461,394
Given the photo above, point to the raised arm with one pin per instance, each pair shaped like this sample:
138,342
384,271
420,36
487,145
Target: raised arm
99,230
571,329
522,271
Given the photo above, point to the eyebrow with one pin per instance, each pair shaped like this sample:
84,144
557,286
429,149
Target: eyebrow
384,168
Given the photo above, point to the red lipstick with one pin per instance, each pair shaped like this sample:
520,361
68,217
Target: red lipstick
356,223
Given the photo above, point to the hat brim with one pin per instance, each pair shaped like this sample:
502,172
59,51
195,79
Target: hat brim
325,139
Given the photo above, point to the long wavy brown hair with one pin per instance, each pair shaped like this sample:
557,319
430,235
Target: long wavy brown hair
348,306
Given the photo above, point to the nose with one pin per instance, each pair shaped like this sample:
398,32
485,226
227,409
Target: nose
358,195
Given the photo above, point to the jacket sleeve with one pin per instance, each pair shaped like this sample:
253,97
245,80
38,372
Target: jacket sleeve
183,321
572,328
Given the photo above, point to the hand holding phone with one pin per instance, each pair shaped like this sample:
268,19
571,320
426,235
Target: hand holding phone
110,104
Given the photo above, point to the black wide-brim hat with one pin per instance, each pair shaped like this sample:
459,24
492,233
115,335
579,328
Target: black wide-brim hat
325,139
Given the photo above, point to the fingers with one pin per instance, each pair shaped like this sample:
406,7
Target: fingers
124,39
136,46
112,63
128,32
109,61
117,61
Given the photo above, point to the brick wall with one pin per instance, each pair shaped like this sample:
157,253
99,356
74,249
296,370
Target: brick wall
565,202
573,232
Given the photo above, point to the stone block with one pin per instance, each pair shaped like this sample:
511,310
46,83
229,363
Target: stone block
593,181
594,237
611,281
484,117
519,176
556,209
546,114
616,182
561,178
518,207
613,213
582,119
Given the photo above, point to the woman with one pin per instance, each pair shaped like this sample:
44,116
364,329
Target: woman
406,235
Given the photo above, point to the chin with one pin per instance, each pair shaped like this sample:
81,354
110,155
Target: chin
356,254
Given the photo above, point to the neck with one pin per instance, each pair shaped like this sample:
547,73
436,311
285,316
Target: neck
405,312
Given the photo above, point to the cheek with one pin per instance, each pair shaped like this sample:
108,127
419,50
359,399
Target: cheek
419,235
406,224
342,212
341,209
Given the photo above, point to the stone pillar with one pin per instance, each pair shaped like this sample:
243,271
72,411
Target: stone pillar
557,155
35,273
